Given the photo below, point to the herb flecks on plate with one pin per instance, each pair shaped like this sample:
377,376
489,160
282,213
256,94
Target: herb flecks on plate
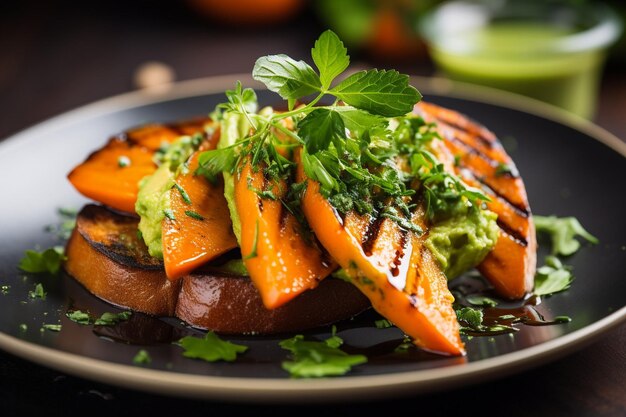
563,232
49,260
318,359
210,348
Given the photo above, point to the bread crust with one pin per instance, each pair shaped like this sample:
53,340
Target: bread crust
108,259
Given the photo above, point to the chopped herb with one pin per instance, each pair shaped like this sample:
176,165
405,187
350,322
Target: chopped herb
504,169
123,161
507,317
51,327
49,260
169,214
563,232
479,300
69,212
405,345
23,327
553,277
5,289
142,358
318,359
38,292
183,193
210,348
562,319
194,215
79,317
471,317
111,319
106,319
383,324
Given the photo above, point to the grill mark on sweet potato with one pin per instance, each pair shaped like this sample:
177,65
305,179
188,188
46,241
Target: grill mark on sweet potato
518,237
370,235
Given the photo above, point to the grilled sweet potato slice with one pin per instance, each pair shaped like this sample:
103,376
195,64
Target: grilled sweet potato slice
391,267
201,228
281,262
483,163
111,174
110,261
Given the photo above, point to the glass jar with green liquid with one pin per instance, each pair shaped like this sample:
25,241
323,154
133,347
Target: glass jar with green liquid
549,50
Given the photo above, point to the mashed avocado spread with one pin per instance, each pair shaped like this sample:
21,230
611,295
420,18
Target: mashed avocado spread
153,200
462,241
233,127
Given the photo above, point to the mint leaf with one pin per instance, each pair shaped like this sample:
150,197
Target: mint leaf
49,260
385,93
318,359
319,128
330,57
210,348
359,121
563,232
553,277
283,75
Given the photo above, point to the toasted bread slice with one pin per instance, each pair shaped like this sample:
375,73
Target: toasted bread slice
107,257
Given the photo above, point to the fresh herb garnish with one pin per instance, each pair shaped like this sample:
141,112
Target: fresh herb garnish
23,327
318,359
142,358
123,161
383,324
106,319
183,193
169,214
5,289
553,277
210,348
362,160
505,169
49,260
79,317
563,232
194,215
111,319
471,317
51,327
38,292
67,222
481,300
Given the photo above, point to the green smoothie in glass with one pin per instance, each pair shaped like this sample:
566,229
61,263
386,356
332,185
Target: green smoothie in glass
547,50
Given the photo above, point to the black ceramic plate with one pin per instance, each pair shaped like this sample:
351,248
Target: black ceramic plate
570,168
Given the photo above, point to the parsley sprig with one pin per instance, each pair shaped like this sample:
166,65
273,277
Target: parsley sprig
363,149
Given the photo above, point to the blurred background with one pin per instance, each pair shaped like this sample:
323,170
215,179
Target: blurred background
57,55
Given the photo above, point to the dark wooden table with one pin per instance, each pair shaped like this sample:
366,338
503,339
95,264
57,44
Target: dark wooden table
55,56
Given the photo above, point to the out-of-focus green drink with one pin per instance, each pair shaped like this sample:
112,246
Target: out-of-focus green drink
555,60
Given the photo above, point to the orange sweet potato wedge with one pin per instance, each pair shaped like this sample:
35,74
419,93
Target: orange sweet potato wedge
201,229
280,261
111,174
391,267
510,266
